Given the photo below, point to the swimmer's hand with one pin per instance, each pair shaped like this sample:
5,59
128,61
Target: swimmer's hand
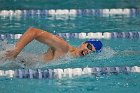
11,54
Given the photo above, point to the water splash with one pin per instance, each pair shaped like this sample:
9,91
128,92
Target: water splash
66,59
23,59
28,60
106,53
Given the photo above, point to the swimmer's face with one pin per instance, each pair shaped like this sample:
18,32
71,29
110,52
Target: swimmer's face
86,48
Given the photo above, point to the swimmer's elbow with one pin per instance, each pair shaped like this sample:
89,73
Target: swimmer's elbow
36,32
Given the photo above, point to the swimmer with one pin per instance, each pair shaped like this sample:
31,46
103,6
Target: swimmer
58,47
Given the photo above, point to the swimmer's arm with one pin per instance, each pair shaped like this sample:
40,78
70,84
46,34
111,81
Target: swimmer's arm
41,36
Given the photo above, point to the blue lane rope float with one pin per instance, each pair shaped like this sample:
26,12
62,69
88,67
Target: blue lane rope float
67,72
99,12
98,35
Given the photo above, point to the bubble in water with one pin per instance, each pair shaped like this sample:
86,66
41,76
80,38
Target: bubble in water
62,60
5,46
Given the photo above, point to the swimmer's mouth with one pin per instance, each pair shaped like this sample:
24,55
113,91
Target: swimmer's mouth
83,52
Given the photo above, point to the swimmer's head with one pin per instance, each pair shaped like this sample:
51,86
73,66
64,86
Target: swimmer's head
96,43
91,45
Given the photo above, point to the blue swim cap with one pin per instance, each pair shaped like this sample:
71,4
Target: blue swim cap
96,43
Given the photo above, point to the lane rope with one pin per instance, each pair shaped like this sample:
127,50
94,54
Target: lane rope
82,35
99,12
67,72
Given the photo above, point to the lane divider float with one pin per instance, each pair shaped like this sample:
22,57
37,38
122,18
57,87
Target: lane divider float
99,12
67,72
82,35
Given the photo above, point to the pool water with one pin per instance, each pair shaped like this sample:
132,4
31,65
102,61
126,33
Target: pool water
71,23
115,52
69,4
